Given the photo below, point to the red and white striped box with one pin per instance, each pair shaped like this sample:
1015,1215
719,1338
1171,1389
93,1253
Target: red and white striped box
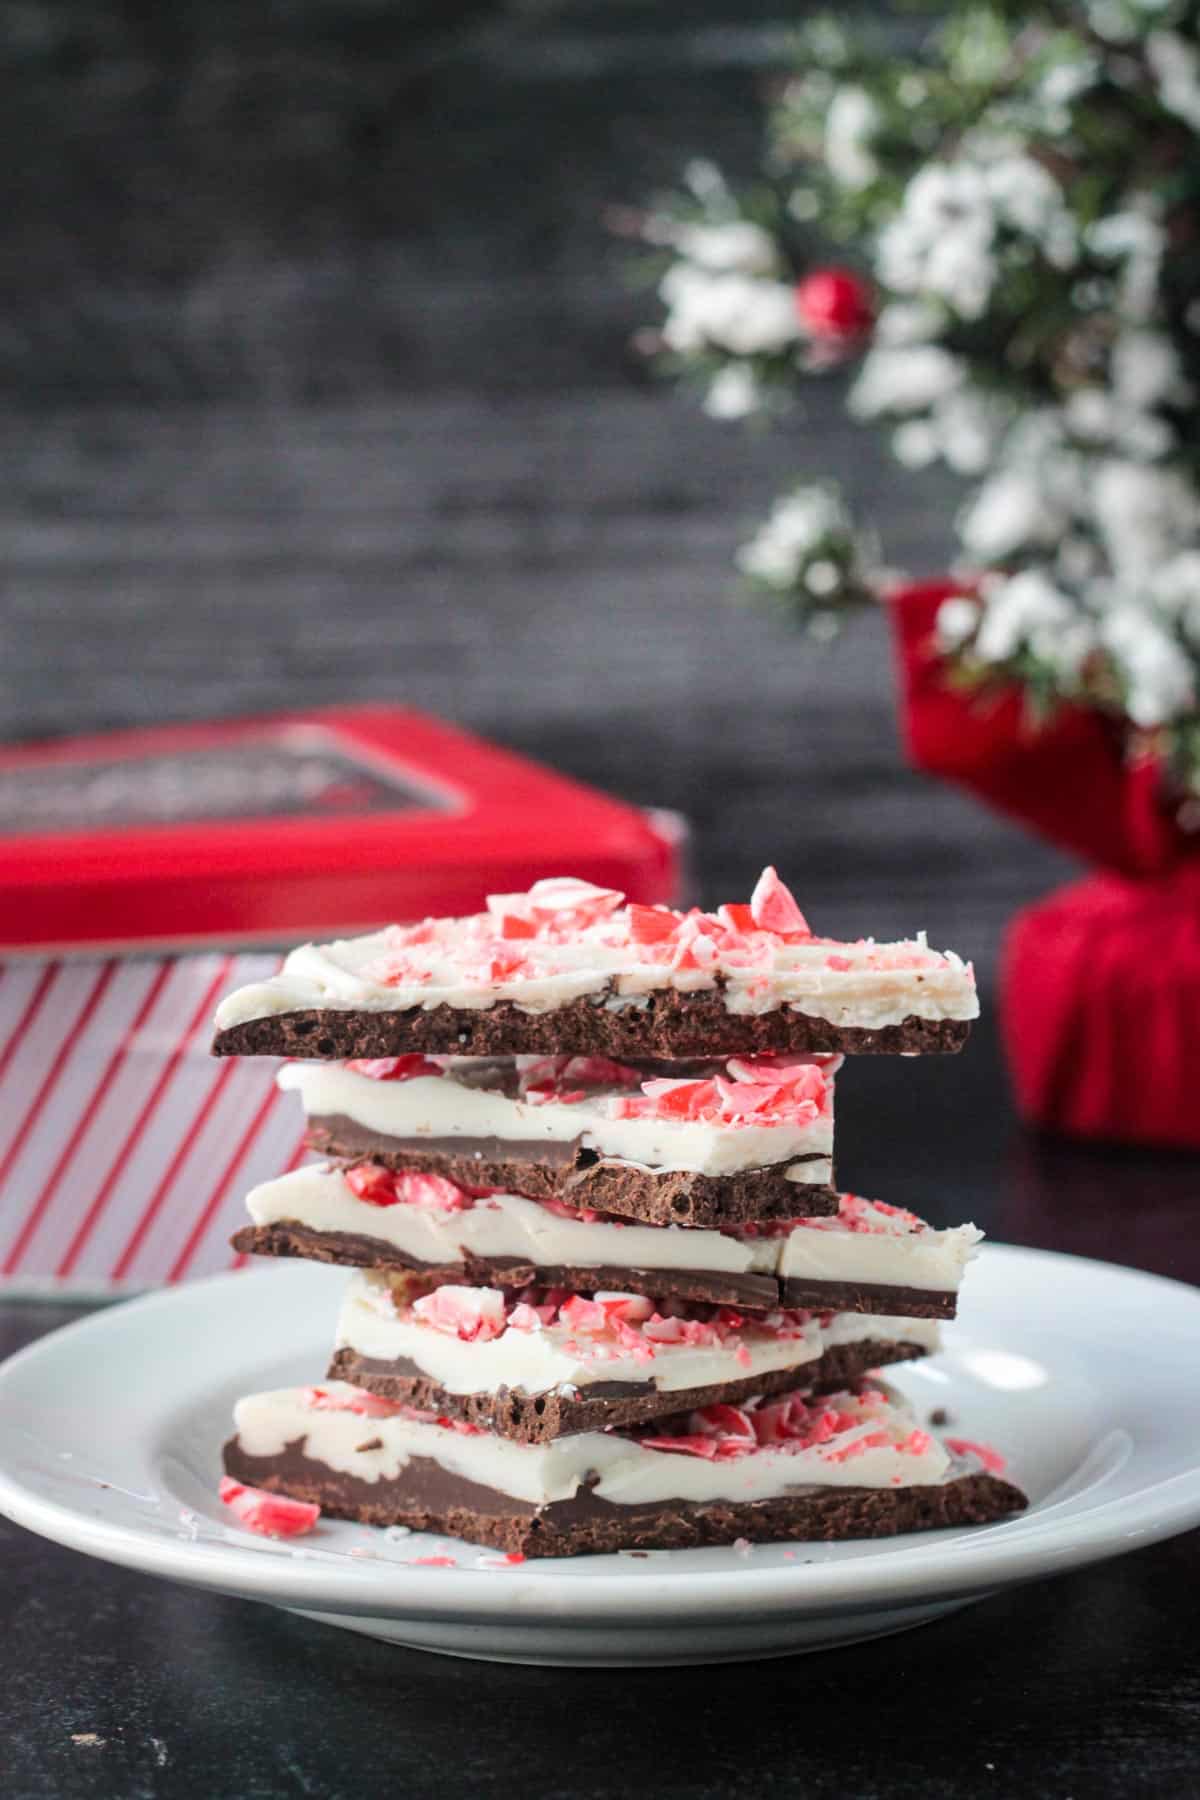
126,1149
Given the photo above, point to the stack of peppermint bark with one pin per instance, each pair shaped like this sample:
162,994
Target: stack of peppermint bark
605,1294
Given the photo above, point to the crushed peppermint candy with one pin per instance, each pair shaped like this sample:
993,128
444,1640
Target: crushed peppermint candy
378,1186
373,1406
603,1327
271,1515
873,1217
768,1090
366,1406
388,1187
567,1079
993,1462
393,1068
838,1427
470,1314
516,938
744,1091
773,908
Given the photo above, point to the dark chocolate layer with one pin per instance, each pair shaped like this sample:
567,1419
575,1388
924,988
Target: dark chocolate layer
667,1024
537,1418
756,1292
426,1497
579,1177
869,1297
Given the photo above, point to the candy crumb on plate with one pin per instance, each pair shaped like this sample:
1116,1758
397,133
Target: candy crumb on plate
271,1515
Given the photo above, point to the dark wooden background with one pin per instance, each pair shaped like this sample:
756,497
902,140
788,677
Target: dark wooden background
316,359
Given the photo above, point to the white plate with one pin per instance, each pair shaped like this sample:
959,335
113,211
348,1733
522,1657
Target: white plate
1085,1373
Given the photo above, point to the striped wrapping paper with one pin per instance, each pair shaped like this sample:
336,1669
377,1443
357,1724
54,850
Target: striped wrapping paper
126,1150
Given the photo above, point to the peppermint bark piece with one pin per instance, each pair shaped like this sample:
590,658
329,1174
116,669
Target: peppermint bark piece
567,968
543,1363
869,1257
728,1140
850,1464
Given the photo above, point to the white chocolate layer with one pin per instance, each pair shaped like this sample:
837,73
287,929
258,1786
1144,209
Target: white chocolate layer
450,962
627,1473
559,1356
889,1252
502,1225
895,1249
438,1106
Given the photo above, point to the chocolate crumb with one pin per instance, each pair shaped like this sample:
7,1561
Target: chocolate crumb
375,1443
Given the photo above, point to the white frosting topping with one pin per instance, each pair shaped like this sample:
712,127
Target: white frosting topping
896,1454
866,1242
441,1106
561,1355
565,940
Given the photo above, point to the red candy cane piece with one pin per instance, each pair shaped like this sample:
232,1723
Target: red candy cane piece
372,1183
737,918
367,1406
512,925
652,924
665,1331
401,937
991,1459
630,1338
396,971
733,1428
393,1068
631,1309
524,1317
502,965
583,1215
271,1515
696,1445
679,1099
583,1315
742,1099
415,1189
695,945
472,1314
582,901
773,907
874,1440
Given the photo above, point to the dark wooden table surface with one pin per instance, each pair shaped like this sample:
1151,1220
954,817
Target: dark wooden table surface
320,390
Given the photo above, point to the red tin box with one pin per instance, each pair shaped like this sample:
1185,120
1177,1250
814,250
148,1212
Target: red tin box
136,868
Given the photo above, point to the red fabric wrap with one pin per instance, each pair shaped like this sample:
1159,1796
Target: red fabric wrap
1068,777
1100,983
1100,1009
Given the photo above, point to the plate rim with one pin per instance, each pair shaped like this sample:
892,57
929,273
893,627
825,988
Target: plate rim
915,1568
